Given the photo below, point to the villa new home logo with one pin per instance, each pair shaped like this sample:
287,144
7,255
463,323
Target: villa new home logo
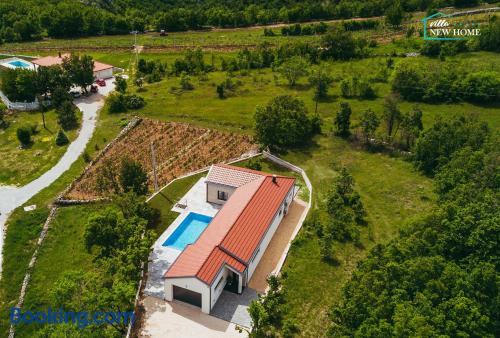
440,26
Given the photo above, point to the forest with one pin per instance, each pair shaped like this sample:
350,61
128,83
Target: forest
28,20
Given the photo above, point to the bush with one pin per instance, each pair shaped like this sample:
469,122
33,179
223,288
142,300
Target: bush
24,136
116,103
61,138
481,87
134,101
255,164
66,115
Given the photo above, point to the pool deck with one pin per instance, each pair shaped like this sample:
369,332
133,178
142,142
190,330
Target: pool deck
161,257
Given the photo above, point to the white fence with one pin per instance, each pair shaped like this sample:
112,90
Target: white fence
22,106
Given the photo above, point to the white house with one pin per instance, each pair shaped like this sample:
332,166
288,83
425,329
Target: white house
229,249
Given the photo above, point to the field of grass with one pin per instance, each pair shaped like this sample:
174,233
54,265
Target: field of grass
260,86
391,190
23,228
20,166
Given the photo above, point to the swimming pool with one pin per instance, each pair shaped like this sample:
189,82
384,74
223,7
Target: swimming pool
19,64
188,231
14,63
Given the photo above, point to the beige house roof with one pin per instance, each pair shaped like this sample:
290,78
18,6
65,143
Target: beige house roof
47,61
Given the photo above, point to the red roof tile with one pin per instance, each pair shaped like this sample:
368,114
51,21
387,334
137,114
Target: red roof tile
247,232
235,232
47,61
231,176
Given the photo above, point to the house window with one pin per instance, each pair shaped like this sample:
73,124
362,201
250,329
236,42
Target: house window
222,195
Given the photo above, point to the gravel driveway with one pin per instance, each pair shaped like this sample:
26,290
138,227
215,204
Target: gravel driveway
13,197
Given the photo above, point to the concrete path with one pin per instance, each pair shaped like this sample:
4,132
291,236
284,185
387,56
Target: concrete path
13,197
164,319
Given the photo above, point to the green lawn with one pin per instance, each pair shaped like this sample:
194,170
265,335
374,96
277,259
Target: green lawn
20,166
391,191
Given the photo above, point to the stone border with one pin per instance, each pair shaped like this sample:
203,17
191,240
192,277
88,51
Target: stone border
60,200
34,257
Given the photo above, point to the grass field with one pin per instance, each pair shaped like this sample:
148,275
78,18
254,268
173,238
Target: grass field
391,190
20,166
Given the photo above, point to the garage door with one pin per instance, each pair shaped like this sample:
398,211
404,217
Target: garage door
187,296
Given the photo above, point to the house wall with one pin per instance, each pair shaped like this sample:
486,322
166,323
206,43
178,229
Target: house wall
216,291
192,284
213,188
270,233
104,74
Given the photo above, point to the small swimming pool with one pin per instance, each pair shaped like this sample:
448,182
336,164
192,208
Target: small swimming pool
188,231
14,63
20,64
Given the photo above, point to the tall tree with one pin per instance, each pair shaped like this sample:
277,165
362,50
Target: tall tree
369,123
293,69
133,177
411,126
343,120
392,114
321,81
80,70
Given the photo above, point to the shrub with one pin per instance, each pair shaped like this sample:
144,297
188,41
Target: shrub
134,101
24,136
66,115
116,103
61,138
255,164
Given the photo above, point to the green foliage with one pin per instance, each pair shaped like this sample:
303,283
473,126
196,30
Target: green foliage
66,116
133,177
24,136
267,311
284,123
133,101
437,144
19,84
298,29
440,276
392,114
321,82
120,84
343,120
255,164
490,35
293,69
116,103
61,138
3,111
80,70
369,123
339,45
185,82
394,15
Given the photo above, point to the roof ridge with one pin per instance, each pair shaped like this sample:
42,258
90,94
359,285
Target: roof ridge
202,265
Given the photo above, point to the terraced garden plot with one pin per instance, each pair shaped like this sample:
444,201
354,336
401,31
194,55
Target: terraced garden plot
179,148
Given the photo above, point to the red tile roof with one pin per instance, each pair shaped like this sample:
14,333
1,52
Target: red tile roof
231,176
236,231
47,61
247,232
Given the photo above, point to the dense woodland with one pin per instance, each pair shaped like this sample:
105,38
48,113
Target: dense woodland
26,20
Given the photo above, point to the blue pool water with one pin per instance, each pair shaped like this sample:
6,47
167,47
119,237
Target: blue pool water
19,64
188,231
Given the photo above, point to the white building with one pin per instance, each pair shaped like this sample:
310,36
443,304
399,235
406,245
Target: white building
229,249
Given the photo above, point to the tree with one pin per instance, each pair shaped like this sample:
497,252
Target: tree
61,138
133,177
394,14
3,111
116,103
60,95
293,69
321,82
369,123
437,144
407,82
284,123
80,70
120,84
338,45
66,116
411,126
24,136
343,120
391,114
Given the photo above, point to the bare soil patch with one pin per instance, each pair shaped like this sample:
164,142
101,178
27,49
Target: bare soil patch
179,148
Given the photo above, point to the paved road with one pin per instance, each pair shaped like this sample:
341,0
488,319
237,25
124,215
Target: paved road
13,197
